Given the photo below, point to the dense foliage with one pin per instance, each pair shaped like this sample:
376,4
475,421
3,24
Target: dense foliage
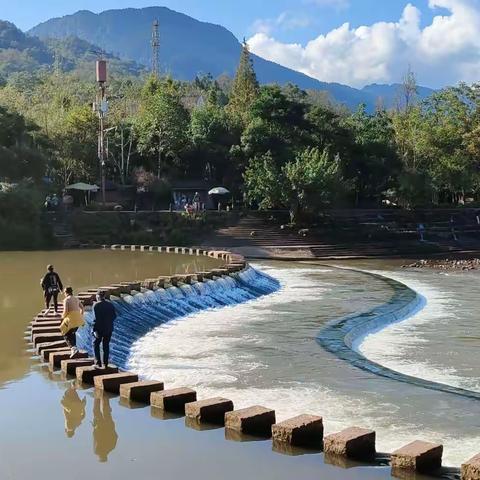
275,147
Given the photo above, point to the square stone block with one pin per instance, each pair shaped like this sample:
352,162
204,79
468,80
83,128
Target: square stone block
50,345
255,420
173,400
54,323
358,443
418,456
69,367
471,469
46,337
303,430
57,357
50,351
38,330
211,410
111,382
140,391
88,374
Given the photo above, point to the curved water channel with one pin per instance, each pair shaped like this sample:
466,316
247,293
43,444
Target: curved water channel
266,352
263,351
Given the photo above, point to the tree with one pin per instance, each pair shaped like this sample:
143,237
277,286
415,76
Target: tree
408,91
162,123
277,125
19,157
245,88
212,137
373,164
75,146
311,179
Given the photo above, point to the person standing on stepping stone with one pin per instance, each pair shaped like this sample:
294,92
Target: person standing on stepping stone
72,320
104,317
52,286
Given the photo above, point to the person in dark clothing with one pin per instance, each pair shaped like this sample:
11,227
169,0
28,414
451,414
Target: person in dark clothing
104,316
52,286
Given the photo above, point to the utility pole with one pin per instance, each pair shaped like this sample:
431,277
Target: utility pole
101,108
155,49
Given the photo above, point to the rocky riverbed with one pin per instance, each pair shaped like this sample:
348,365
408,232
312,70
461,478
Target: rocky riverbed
464,264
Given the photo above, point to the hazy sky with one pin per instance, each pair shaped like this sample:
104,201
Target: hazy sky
349,41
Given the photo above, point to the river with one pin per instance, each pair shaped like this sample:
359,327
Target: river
260,352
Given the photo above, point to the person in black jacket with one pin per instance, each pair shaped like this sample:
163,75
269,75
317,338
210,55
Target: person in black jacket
104,316
52,286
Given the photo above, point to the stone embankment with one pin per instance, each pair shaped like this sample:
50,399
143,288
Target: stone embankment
466,264
304,431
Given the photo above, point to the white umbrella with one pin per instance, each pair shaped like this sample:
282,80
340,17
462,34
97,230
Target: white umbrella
84,187
219,191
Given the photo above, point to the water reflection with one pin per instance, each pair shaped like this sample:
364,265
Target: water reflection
73,410
104,434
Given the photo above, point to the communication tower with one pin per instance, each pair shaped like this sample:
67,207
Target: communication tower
101,108
156,49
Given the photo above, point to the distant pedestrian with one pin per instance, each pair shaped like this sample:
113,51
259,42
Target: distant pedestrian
55,202
104,317
72,320
48,203
196,202
67,201
52,286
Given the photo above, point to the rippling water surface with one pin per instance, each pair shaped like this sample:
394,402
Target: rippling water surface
262,351
266,352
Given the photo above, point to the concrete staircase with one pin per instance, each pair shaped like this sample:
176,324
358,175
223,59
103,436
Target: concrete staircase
62,229
345,236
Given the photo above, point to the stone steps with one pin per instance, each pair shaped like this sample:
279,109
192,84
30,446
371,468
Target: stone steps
304,430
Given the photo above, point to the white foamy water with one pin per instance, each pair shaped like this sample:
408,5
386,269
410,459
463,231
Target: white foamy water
407,346
265,352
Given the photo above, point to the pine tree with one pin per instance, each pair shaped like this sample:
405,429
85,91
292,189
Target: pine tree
244,88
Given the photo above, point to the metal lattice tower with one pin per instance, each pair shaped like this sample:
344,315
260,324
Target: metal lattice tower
155,49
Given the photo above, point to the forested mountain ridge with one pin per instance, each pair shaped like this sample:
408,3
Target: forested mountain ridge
21,53
189,48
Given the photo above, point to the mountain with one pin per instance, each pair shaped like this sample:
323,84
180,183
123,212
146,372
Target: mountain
188,47
391,94
20,53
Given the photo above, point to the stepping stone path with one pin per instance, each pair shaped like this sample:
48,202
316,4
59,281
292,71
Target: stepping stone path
303,430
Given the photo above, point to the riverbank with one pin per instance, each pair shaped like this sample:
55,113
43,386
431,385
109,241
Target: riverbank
446,264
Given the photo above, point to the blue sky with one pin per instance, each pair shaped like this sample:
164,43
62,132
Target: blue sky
309,17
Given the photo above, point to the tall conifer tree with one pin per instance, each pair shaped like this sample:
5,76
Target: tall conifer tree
245,87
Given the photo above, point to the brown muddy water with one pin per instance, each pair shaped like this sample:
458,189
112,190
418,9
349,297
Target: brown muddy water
50,428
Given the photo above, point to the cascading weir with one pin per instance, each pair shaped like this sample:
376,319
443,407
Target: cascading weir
340,336
144,310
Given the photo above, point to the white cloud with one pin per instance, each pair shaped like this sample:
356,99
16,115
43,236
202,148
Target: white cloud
444,52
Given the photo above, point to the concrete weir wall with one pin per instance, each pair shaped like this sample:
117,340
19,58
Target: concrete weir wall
305,431
341,336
